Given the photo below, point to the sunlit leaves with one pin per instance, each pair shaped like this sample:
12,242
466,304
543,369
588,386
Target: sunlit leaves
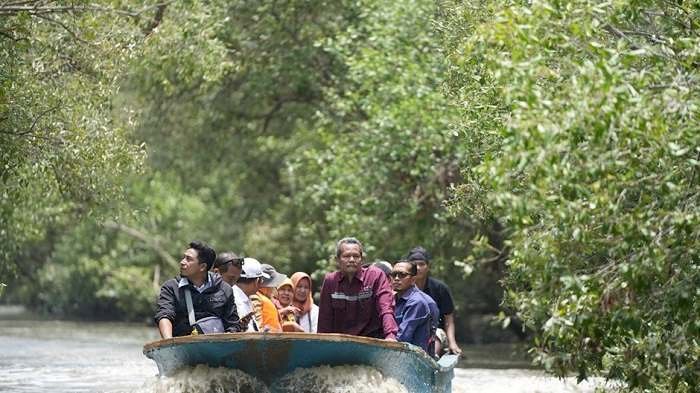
596,173
64,153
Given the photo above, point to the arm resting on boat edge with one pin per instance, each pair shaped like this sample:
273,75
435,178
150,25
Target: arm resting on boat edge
165,327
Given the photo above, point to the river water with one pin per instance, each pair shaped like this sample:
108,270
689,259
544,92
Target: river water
71,357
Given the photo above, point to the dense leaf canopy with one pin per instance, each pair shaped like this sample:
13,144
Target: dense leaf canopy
596,173
553,145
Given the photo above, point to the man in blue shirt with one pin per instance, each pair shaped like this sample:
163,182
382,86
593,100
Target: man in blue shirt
440,293
414,312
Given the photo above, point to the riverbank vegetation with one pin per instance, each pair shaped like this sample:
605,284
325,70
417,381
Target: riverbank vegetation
553,146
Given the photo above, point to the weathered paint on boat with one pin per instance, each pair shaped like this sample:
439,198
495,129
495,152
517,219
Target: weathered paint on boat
269,356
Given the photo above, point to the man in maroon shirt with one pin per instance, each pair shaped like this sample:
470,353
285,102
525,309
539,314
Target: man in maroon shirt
356,300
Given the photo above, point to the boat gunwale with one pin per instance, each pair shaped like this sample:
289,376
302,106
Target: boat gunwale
441,366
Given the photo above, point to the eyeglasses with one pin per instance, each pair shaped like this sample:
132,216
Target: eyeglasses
398,274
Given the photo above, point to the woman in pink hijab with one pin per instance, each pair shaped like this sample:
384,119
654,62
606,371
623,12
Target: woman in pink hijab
303,300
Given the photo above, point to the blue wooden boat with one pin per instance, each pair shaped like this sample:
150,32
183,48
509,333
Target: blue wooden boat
270,356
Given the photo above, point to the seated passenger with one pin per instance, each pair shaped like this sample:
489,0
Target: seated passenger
413,312
304,301
228,265
356,300
266,314
288,312
383,266
211,296
440,293
247,285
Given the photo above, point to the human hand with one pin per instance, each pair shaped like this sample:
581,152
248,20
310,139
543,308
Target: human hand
290,309
246,320
455,350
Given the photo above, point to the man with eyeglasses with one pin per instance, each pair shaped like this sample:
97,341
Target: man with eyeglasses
355,299
228,265
440,293
415,313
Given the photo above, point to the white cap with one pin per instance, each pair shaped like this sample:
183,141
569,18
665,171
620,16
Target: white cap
252,269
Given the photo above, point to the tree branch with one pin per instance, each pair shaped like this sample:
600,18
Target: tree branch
37,9
157,18
58,22
150,241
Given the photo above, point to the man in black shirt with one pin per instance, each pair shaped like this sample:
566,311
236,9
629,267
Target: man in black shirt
211,296
439,291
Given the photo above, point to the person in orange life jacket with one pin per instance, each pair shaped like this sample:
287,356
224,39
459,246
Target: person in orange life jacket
211,296
440,293
355,299
228,265
266,314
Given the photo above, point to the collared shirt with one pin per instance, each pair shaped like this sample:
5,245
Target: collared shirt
207,283
439,291
362,306
215,300
434,311
244,307
414,317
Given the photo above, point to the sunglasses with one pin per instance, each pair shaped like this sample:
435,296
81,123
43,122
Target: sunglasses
397,274
235,261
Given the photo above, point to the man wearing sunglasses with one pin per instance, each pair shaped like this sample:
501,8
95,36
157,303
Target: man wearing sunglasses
228,265
415,313
440,293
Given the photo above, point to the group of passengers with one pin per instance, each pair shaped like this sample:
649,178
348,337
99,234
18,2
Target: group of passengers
228,293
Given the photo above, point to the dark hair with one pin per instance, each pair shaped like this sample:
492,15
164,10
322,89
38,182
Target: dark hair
205,253
223,259
348,240
418,254
414,267
247,280
382,265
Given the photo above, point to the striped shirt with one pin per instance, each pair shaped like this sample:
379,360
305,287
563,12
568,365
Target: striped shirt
362,306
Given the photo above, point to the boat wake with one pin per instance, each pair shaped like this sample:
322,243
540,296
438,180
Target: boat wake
323,379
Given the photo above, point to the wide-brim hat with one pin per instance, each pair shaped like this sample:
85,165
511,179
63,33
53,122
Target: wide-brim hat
274,278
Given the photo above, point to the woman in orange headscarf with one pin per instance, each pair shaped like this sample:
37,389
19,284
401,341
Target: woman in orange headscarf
286,308
308,315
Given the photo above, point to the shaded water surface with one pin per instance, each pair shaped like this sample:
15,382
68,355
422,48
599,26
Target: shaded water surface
42,356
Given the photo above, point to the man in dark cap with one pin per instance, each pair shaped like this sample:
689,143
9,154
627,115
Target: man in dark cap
439,291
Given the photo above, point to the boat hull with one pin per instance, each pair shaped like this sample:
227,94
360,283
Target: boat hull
269,356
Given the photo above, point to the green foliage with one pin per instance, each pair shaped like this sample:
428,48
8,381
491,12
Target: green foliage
341,118
267,77
595,170
63,154
385,157
113,269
